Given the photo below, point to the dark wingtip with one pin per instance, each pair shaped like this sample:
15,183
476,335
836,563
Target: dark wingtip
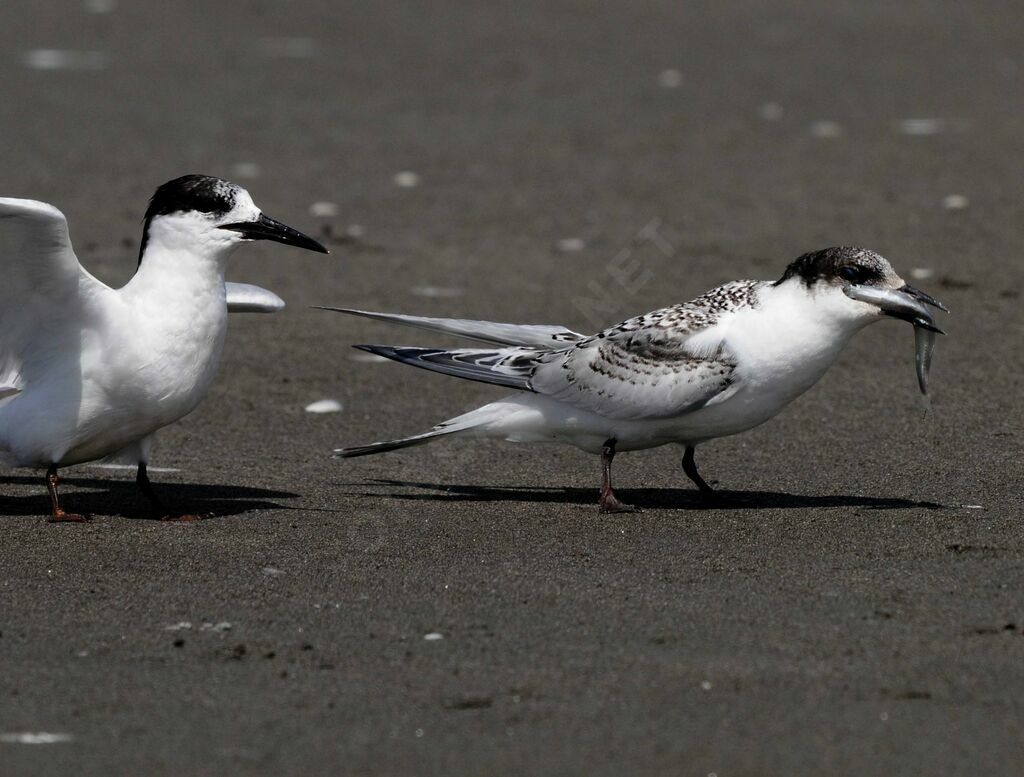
380,350
385,351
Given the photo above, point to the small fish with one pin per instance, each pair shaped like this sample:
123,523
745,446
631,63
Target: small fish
924,342
908,304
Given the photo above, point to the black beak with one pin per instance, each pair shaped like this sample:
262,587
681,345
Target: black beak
905,303
926,298
266,228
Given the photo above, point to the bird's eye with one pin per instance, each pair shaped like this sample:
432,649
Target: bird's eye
851,274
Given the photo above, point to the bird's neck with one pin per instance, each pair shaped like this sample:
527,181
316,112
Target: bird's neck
176,306
791,336
809,313
171,273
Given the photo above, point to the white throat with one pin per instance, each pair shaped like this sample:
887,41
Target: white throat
793,335
177,244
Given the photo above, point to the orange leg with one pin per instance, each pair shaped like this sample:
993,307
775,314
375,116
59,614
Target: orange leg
57,515
609,502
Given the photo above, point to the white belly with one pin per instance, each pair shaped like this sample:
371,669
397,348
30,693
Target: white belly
756,397
110,390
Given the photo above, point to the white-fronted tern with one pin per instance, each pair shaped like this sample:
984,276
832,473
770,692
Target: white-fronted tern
721,364
88,371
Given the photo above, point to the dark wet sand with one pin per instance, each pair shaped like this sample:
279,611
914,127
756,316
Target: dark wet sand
857,610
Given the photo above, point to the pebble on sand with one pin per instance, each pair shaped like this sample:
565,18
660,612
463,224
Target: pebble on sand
323,209
571,244
433,636
922,126
34,738
826,129
62,59
670,79
221,626
436,291
324,406
406,179
955,202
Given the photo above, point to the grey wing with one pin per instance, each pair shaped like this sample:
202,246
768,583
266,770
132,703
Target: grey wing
663,364
658,365
43,285
627,378
533,335
510,367
248,298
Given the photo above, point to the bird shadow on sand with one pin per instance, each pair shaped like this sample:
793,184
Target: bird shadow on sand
646,498
122,498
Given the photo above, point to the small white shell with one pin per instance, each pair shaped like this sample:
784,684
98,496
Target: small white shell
324,406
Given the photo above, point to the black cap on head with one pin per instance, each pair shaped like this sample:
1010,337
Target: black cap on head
849,263
202,193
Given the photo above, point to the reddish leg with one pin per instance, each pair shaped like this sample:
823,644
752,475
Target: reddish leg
608,502
57,515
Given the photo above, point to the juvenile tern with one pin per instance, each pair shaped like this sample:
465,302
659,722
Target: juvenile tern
721,364
88,371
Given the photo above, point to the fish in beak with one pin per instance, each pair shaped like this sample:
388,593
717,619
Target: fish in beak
266,228
908,304
905,303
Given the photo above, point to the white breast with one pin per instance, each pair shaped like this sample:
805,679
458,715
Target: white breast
781,348
144,357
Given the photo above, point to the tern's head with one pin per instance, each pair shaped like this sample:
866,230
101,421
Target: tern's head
859,285
206,215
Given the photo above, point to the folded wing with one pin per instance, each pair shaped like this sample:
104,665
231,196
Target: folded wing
539,335
644,375
248,298
510,367
662,364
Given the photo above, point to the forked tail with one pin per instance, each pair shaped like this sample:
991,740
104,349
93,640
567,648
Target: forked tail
460,424
390,445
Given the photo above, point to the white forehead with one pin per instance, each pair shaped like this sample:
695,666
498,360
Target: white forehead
244,208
